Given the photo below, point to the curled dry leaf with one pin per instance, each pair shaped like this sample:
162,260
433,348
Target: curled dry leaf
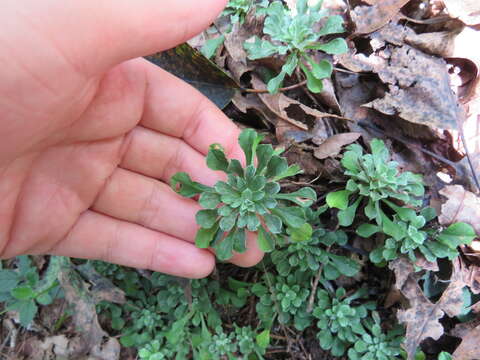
422,318
461,206
371,18
289,110
333,145
469,348
85,315
419,89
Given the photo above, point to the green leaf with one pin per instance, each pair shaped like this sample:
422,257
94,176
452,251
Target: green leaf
264,154
333,25
182,184
294,217
228,222
266,242
27,310
302,6
274,223
350,159
290,171
345,266
239,241
209,200
313,84
263,339
276,166
334,47
326,339
259,49
302,233
8,280
206,218
303,197
249,140
276,82
23,293
235,167
216,159
376,256
392,228
429,213
320,70
224,249
457,234
338,199
44,299
211,46
367,230
346,217
205,236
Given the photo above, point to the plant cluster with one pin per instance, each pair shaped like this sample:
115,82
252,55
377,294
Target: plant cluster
162,323
292,33
250,199
391,203
170,318
22,289
387,201
237,10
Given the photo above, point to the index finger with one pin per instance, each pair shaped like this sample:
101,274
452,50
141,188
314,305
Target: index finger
176,109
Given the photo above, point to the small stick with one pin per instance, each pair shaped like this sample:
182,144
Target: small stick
260,91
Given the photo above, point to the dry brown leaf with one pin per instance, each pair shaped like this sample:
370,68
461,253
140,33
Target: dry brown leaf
461,206
371,18
93,337
289,110
422,318
469,348
419,88
333,145
466,10
234,40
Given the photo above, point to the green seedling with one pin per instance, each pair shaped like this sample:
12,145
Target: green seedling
293,34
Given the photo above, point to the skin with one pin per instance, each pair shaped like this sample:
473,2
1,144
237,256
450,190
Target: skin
91,134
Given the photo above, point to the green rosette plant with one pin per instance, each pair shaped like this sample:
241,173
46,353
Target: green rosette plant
293,33
408,233
250,199
339,321
373,180
374,344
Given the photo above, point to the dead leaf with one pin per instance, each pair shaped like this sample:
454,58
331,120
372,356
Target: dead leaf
371,18
234,40
469,348
84,314
333,145
288,109
441,43
419,88
466,10
461,206
422,318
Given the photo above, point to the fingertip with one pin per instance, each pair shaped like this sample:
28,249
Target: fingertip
252,256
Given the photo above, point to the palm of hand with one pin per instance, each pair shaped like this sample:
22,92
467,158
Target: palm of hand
88,150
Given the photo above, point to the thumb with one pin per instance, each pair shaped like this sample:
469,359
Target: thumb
97,34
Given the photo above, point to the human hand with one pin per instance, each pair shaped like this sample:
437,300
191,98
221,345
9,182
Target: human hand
90,137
